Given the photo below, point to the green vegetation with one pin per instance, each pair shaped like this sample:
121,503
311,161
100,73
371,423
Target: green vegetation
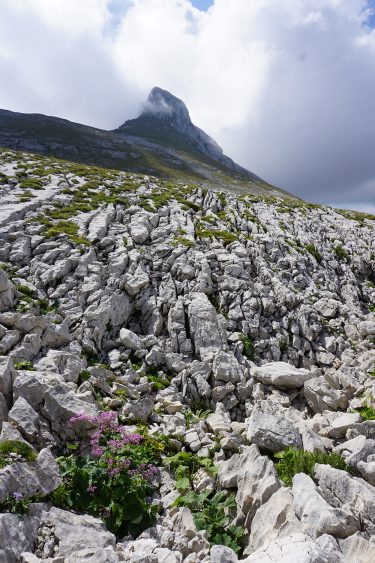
284,345
311,248
32,184
15,447
184,465
158,379
83,376
25,289
211,513
24,364
248,347
367,413
341,254
293,461
16,503
112,476
183,241
194,415
68,228
358,216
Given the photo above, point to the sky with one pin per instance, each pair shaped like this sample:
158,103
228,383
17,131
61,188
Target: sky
287,88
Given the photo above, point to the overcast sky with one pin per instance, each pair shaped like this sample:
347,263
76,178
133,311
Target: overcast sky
286,87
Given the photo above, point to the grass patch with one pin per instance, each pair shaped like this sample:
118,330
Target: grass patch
293,461
367,413
15,447
341,254
24,364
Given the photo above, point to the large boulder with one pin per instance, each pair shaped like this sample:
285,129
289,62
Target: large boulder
39,477
316,515
272,433
274,520
205,329
281,374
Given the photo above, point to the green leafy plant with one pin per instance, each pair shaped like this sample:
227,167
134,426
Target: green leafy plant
248,349
9,447
184,465
284,345
112,476
158,379
16,503
211,513
193,417
293,461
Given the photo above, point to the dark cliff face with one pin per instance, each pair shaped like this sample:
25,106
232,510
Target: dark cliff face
166,118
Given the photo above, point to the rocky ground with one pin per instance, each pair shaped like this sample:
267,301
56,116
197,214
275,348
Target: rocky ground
236,327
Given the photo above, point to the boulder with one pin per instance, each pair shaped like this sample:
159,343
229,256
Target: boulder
39,477
281,374
316,515
272,433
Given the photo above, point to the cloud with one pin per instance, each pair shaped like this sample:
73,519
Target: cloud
286,88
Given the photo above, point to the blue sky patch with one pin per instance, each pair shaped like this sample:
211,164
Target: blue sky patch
202,5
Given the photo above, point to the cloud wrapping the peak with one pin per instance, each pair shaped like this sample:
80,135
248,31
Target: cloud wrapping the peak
286,88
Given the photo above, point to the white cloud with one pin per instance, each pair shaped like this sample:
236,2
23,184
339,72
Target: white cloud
286,88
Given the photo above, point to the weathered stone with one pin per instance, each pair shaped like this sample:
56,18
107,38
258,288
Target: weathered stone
281,374
39,477
316,515
273,433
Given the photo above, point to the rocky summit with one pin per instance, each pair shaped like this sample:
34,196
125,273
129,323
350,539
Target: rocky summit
186,374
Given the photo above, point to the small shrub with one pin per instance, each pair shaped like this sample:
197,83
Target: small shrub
210,511
284,345
158,379
83,376
293,461
25,289
184,465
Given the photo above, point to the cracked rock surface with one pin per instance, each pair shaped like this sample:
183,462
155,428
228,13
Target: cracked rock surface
237,327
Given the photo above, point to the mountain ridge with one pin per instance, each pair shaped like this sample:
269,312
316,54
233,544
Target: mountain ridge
162,141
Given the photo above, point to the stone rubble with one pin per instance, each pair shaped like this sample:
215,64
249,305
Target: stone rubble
268,327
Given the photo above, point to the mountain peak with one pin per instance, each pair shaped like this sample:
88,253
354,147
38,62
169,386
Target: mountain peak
162,103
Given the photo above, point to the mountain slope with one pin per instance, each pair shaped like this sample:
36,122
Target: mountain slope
162,342
162,141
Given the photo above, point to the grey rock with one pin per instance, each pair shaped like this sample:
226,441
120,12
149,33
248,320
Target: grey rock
39,477
316,515
274,520
17,534
222,554
321,396
281,374
296,548
273,433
